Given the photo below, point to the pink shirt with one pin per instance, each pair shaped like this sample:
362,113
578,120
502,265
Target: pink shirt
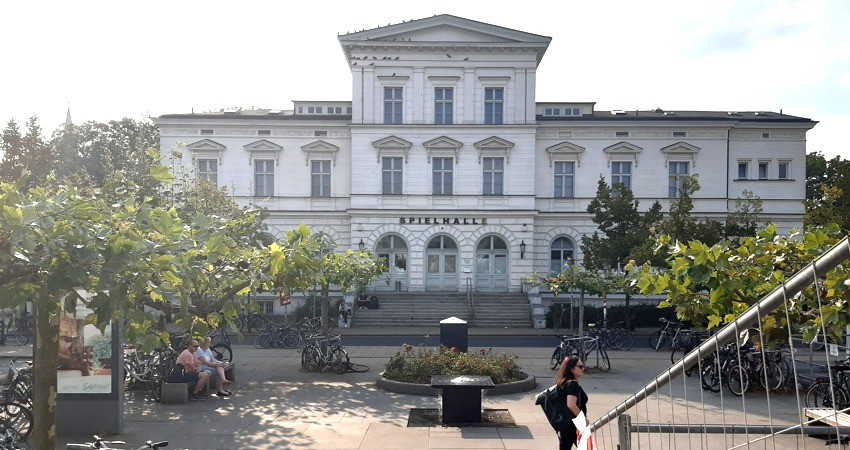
188,360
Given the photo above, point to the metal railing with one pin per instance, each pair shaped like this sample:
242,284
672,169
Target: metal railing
728,334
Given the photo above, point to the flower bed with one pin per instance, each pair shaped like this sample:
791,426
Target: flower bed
418,364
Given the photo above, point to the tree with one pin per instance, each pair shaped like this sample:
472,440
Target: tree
12,164
746,219
712,285
576,278
621,227
827,191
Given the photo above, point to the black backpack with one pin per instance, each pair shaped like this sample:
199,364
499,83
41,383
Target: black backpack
554,403
176,374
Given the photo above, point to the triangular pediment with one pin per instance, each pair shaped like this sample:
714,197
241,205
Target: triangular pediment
263,145
206,144
493,142
565,150
444,28
623,147
319,146
681,147
391,142
443,142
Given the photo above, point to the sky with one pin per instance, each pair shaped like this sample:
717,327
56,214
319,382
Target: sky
106,60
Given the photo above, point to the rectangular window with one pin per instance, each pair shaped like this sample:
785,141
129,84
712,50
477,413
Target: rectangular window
392,105
564,179
441,172
743,170
264,132
320,133
763,170
494,103
336,110
206,132
319,109
311,110
320,176
621,172
765,135
391,175
263,177
208,170
348,110
494,176
678,171
443,106
621,134
784,170
679,134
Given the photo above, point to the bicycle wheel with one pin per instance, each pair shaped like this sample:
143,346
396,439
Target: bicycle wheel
710,375
22,335
291,340
557,358
738,380
309,357
239,323
625,340
259,322
770,376
18,417
129,378
820,394
222,352
339,360
158,376
263,340
654,338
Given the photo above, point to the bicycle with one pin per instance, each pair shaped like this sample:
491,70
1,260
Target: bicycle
18,418
252,321
561,319
21,327
278,335
325,353
832,393
18,388
101,444
667,334
221,348
565,348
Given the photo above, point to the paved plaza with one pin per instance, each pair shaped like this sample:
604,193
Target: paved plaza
277,406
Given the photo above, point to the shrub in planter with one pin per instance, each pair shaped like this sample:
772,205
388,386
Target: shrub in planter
417,365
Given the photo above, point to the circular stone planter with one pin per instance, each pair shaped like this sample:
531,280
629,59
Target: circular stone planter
400,387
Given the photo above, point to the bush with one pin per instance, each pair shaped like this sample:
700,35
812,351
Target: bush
642,314
417,365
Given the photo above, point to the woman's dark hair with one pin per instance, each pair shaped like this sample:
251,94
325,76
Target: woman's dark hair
565,373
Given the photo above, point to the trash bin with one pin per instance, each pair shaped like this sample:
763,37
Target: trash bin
454,333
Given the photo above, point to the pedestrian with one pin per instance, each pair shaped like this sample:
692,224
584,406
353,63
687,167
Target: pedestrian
571,370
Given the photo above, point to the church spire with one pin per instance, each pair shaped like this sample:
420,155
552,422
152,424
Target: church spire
68,122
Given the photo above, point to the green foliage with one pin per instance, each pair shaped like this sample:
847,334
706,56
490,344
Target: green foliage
418,364
712,285
827,191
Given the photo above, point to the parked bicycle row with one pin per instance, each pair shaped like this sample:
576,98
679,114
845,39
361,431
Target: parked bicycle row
16,419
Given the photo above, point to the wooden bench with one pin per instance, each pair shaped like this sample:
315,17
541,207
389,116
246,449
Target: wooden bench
828,416
178,393
461,396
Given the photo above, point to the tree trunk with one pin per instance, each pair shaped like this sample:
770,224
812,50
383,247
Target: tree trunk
325,306
628,312
45,360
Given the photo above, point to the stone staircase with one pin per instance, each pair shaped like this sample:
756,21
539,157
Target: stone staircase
427,309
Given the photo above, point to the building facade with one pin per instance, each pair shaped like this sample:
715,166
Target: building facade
445,163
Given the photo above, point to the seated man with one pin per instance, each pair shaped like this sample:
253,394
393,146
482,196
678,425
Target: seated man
192,371
208,363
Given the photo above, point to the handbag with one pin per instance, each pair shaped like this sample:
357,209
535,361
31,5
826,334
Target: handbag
553,400
176,374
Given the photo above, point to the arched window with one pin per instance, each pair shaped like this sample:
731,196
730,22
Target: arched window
562,255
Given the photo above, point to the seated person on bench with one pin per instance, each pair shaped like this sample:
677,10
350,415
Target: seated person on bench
192,371
208,363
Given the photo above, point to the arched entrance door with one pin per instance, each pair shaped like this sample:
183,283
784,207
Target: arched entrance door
441,272
393,250
491,265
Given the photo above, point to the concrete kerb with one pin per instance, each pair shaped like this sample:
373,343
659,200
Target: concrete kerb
398,387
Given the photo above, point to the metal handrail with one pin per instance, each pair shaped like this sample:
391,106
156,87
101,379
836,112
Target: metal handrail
470,299
729,333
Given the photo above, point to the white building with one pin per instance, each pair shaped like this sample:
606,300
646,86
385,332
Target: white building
445,163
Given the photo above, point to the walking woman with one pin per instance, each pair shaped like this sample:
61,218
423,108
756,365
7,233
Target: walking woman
571,370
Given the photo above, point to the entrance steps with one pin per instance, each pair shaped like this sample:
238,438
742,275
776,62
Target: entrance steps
423,309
